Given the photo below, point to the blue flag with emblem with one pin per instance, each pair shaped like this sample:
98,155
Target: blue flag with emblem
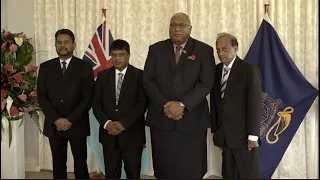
287,96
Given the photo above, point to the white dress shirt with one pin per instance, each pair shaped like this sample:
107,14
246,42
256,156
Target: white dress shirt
67,63
182,47
116,82
250,137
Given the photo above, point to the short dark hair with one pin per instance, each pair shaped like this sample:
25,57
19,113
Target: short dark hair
120,44
234,41
67,32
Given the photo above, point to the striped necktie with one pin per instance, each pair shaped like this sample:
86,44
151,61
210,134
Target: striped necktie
224,80
119,84
178,54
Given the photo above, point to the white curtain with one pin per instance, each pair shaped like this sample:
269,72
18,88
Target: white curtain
144,22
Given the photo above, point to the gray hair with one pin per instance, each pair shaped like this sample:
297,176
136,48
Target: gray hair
234,41
183,15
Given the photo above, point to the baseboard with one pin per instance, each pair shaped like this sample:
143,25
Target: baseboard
149,173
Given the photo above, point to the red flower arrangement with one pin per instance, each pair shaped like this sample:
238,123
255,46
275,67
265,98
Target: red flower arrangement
18,80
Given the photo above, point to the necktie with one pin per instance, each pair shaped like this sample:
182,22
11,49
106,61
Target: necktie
224,81
119,84
178,54
64,67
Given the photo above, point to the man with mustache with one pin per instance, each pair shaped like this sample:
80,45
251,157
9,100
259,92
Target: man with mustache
119,105
177,78
65,86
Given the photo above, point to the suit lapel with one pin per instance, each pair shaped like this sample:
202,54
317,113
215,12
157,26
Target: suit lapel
112,80
126,82
170,55
187,51
218,83
71,68
233,75
57,70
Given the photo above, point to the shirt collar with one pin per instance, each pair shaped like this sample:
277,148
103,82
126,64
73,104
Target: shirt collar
67,61
231,63
182,45
123,71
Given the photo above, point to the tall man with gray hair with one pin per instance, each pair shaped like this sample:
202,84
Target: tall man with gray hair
177,78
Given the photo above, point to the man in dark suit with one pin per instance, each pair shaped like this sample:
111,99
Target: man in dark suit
65,86
119,105
236,105
177,78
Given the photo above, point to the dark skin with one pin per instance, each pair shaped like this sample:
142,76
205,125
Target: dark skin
114,128
226,53
64,47
120,60
179,31
180,28
252,144
173,110
63,124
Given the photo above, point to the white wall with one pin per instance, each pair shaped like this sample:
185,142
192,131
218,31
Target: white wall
4,15
17,16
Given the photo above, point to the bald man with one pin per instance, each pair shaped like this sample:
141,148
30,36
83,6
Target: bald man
177,78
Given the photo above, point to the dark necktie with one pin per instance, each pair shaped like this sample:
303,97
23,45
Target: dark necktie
178,54
64,67
224,81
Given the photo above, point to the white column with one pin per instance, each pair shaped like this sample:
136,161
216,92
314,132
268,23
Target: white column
13,159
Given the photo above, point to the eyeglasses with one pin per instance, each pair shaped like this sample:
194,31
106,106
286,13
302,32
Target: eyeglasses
180,26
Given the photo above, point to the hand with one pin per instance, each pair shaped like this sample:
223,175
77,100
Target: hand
110,127
177,117
63,124
173,110
118,126
252,144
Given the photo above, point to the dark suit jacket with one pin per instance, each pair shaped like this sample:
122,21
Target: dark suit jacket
238,114
129,112
190,81
66,96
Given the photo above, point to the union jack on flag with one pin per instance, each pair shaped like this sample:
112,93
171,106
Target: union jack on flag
98,52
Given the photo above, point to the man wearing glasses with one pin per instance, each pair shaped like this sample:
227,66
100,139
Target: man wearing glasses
177,78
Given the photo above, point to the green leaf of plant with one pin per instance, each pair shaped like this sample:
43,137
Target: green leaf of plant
35,118
10,134
21,121
24,59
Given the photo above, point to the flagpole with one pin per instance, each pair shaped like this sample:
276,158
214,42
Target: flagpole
104,10
266,8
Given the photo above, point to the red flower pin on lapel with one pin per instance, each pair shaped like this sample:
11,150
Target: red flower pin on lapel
192,58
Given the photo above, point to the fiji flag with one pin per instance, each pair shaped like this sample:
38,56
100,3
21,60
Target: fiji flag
98,50
98,54
287,96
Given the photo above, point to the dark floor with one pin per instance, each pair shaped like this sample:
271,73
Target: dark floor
48,175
